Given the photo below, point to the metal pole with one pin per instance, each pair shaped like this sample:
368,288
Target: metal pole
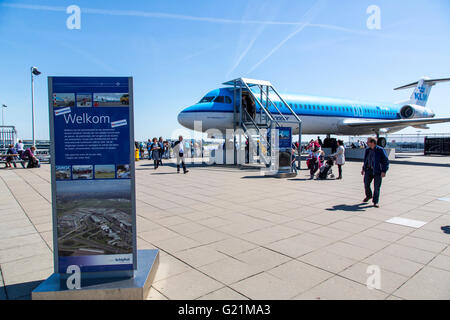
32,106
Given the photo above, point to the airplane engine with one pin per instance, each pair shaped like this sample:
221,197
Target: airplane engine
413,111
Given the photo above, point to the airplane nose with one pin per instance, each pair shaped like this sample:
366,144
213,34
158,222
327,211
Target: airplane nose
185,119
182,118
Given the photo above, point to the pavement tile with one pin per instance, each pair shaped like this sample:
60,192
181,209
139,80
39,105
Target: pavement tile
187,285
265,286
232,246
441,262
409,253
154,294
422,244
394,264
328,261
349,251
200,256
302,275
269,235
230,270
389,281
338,288
262,257
428,284
223,294
292,247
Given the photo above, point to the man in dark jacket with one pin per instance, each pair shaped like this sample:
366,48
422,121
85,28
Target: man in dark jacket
376,165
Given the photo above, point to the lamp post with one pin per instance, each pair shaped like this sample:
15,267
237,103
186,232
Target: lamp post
3,115
34,72
3,123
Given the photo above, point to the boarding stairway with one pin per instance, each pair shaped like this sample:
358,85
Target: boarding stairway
262,93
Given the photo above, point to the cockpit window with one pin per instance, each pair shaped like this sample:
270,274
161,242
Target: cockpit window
207,99
220,99
223,99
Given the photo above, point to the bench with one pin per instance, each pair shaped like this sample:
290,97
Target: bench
16,159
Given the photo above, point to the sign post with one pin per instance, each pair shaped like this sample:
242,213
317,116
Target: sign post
284,153
93,184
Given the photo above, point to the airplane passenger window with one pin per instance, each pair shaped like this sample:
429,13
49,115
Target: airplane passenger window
207,99
220,99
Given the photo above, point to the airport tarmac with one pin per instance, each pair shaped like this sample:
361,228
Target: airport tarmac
227,233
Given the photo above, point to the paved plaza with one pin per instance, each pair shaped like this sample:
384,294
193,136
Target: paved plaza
228,233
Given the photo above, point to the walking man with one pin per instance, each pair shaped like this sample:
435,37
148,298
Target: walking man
376,165
178,149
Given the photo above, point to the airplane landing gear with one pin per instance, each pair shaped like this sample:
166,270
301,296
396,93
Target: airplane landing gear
382,142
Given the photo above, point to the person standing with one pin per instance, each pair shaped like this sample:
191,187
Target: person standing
178,148
340,157
20,148
319,141
161,150
376,165
149,149
155,150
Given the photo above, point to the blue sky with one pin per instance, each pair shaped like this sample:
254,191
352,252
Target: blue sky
179,50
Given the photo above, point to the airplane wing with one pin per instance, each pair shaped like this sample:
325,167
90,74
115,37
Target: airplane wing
380,124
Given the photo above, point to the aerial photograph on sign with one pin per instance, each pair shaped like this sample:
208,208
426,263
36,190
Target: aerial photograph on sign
94,216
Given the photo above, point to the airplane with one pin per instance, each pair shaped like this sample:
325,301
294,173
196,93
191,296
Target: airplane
322,115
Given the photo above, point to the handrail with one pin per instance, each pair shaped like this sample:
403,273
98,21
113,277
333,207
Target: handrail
260,104
287,105
271,102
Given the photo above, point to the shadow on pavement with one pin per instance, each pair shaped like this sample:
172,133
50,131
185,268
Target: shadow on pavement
446,229
20,291
350,208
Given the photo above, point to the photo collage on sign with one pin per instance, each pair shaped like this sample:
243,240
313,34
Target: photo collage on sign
88,100
93,172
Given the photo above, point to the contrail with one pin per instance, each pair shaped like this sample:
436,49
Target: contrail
308,16
89,57
250,44
160,15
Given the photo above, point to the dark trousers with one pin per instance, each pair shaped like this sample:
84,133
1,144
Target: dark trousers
314,167
340,170
368,178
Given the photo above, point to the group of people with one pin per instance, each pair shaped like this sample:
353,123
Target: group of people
158,149
18,153
316,159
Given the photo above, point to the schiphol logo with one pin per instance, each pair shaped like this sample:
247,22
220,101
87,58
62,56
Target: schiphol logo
122,260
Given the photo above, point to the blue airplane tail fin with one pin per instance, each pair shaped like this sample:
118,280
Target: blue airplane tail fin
422,90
